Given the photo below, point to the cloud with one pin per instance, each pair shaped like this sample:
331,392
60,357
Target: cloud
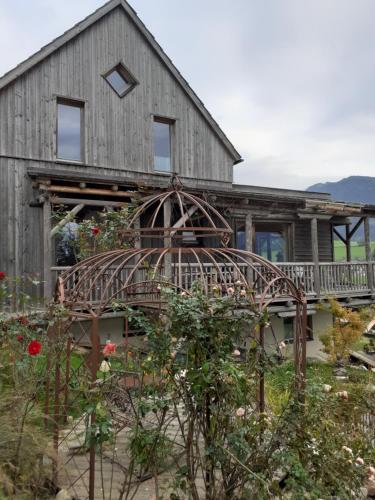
290,82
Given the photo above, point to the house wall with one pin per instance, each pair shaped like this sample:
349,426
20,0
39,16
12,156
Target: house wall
118,131
21,241
302,241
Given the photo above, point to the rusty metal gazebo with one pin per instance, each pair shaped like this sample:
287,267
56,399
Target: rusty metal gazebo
175,239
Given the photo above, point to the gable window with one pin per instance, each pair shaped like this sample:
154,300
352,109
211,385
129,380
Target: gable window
121,80
69,130
162,144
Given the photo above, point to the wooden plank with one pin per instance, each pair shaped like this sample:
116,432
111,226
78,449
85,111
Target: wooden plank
69,216
88,191
370,275
315,254
56,200
47,257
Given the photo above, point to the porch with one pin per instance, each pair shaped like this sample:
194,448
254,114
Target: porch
339,279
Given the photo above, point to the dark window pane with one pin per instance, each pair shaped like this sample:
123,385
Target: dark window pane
69,132
240,237
118,82
271,245
289,329
162,147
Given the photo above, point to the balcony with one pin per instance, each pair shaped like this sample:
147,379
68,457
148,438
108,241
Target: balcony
339,279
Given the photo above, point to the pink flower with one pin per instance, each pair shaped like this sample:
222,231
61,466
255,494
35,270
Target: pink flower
243,292
95,230
236,352
109,348
240,412
370,471
359,461
183,294
230,291
282,345
34,347
2,275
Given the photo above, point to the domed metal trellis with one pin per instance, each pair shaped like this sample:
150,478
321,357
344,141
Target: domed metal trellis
177,238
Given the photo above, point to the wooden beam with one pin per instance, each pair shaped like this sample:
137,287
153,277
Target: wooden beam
93,191
355,228
348,244
339,235
370,275
69,216
184,218
47,255
56,200
315,254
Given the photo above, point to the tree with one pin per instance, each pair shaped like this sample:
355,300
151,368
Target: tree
346,330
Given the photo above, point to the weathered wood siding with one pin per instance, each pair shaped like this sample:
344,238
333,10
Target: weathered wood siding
302,241
118,131
21,241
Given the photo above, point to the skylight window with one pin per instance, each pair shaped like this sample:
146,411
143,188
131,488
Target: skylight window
120,79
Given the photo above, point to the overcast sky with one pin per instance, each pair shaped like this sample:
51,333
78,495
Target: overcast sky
291,82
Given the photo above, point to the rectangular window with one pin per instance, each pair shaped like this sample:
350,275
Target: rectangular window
69,130
162,144
240,235
289,329
271,241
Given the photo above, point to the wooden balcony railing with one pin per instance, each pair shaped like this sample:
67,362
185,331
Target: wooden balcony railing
340,279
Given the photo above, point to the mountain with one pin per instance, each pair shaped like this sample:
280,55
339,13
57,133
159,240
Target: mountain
356,188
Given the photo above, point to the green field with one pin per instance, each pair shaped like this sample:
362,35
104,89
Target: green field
358,250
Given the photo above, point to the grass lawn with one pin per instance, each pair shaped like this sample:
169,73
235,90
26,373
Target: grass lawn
279,381
358,250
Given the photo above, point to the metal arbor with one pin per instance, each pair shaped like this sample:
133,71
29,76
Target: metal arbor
175,238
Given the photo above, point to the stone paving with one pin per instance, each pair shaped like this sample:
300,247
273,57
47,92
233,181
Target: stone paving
110,467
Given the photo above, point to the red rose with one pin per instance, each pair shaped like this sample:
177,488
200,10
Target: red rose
34,347
23,320
20,338
109,348
95,230
2,275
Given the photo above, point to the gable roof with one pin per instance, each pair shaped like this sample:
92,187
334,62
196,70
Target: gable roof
48,49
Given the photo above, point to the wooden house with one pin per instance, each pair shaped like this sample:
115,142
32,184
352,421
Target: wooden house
101,116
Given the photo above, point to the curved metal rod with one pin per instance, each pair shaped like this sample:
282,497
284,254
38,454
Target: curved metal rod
136,268
232,262
129,255
201,268
161,203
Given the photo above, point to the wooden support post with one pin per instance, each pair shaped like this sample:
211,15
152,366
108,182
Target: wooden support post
348,243
249,232
47,244
167,212
370,275
315,254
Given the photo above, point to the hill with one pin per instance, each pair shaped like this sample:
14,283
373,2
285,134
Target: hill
356,188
